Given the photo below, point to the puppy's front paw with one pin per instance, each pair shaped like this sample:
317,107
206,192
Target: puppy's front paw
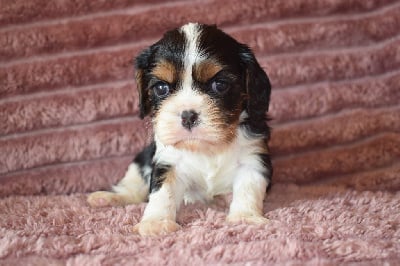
156,227
104,199
246,218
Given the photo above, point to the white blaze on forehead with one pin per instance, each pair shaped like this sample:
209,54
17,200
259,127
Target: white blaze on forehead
192,54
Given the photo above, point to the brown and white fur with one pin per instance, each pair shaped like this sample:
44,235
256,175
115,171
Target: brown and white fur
207,97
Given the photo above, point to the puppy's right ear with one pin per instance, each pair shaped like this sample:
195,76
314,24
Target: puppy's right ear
142,64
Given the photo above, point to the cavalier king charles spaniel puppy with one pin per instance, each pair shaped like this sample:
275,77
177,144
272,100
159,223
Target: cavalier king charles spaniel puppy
207,97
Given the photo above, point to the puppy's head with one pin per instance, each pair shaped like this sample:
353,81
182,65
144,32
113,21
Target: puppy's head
199,85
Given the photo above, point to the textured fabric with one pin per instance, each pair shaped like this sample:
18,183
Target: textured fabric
308,226
69,125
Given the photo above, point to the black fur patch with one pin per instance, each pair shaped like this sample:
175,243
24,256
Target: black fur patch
258,88
266,160
145,160
222,48
170,48
158,176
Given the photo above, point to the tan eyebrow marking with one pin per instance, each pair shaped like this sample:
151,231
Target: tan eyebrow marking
165,71
206,69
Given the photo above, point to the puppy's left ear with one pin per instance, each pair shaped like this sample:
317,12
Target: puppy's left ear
142,62
258,87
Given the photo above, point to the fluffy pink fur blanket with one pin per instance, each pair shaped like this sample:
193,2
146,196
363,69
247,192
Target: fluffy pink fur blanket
69,125
316,226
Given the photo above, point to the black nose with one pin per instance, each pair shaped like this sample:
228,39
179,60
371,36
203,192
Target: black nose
190,119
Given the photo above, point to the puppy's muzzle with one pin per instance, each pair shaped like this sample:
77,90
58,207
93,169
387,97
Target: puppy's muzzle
190,119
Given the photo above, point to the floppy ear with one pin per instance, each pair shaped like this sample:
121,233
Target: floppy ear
258,87
142,62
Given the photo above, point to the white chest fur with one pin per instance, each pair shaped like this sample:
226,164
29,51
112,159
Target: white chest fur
204,176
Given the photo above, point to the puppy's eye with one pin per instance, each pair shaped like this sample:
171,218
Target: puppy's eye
219,87
161,89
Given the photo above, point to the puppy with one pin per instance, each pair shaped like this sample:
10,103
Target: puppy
207,97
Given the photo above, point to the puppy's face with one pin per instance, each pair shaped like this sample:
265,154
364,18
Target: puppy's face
194,85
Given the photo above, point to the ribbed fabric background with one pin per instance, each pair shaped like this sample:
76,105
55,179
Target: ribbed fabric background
68,104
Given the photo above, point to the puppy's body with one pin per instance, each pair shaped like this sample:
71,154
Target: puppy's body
207,97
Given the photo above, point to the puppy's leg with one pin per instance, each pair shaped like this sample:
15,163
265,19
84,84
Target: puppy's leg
133,187
159,217
249,189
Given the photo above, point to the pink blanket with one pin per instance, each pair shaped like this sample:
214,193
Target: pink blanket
308,226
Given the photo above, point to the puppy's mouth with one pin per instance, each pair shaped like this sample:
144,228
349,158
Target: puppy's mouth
194,143
193,140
